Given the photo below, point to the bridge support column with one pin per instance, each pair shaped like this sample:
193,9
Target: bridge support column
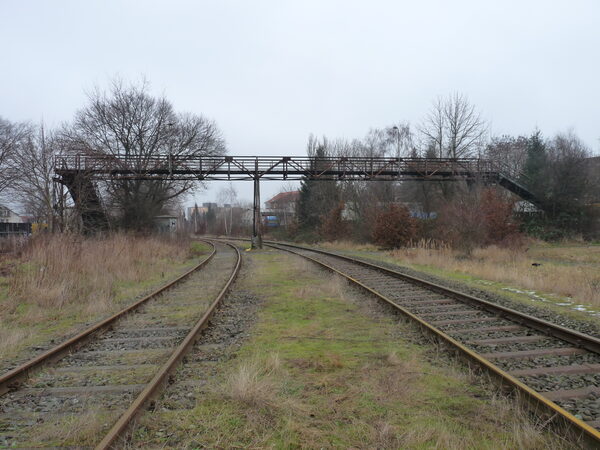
87,202
257,220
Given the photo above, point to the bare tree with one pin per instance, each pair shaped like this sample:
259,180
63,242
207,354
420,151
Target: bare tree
361,198
567,172
402,138
509,152
33,167
126,121
453,128
316,196
376,143
288,186
228,195
12,136
433,129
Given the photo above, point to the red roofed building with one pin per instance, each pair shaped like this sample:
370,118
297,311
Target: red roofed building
283,205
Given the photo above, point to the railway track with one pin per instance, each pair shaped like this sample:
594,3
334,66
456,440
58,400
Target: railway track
555,370
98,382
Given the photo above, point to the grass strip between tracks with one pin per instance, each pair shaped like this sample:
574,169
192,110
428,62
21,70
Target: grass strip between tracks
579,430
325,369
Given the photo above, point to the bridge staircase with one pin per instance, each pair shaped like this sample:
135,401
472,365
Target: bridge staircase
507,178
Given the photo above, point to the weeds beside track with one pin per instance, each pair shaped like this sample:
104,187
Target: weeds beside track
483,332
101,379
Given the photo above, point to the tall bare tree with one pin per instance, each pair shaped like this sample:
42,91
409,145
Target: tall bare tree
403,140
453,128
228,196
127,121
569,186
509,151
33,166
12,136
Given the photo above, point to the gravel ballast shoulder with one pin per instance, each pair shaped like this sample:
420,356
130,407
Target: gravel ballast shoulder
583,326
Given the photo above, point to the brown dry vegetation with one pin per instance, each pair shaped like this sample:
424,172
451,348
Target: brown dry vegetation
58,281
567,271
250,383
62,269
514,267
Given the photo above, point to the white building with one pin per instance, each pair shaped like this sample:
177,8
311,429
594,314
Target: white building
9,216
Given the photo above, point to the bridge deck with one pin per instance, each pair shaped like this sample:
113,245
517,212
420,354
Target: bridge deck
77,172
274,168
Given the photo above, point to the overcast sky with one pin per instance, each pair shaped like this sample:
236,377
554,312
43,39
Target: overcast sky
272,72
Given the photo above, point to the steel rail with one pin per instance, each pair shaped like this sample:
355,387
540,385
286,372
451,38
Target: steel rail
153,388
574,337
533,399
12,378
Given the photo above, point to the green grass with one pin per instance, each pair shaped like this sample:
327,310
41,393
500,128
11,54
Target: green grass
328,372
200,248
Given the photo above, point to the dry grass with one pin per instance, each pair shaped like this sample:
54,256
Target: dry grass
68,278
349,246
568,270
62,269
251,384
513,267
335,287
11,337
526,432
521,431
83,428
568,253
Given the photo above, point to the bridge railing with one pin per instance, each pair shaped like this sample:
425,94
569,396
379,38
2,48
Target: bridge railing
275,165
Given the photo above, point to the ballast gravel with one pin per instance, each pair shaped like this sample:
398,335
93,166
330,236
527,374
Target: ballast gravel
229,328
520,346
587,409
547,361
547,383
584,326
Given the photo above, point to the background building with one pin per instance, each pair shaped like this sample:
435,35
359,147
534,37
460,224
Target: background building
283,207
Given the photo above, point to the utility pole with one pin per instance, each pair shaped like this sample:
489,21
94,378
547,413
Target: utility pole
256,222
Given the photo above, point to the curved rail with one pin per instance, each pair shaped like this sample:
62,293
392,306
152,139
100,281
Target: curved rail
533,399
12,378
152,389
575,337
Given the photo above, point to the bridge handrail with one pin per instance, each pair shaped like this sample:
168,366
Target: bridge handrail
251,163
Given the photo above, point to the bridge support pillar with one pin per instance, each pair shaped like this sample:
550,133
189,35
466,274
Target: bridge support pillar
87,202
257,219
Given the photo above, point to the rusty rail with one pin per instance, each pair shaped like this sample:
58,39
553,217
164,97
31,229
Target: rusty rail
120,428
14,377
527,395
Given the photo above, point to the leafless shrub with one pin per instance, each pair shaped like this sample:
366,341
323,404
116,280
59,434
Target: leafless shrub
11,139
478,218
394,227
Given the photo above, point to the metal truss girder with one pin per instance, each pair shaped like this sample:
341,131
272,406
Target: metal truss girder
187,168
